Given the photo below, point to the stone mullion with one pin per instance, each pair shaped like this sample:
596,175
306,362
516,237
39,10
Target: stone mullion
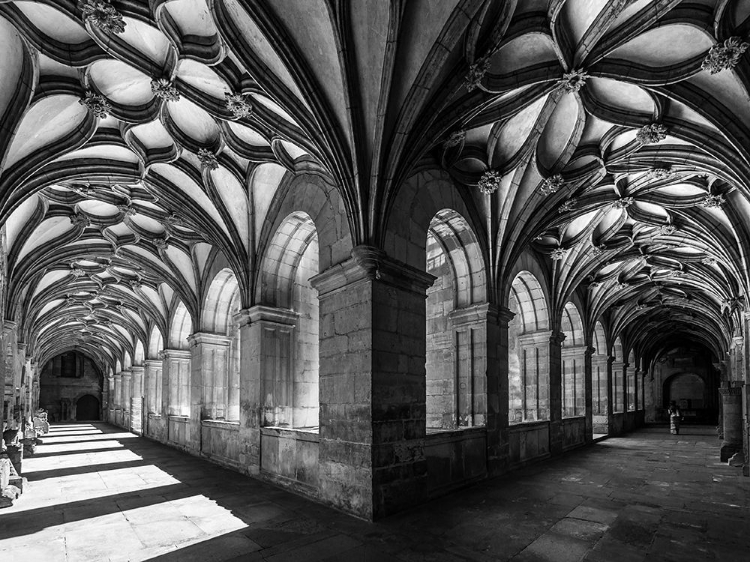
126,393
610,394
588,379
118,398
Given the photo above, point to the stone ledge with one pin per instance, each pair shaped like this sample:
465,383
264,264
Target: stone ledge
300,434
528,425
222,424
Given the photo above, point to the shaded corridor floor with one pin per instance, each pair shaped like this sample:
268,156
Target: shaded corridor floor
96,493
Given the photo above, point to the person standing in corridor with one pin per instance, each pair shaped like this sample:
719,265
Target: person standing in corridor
675,416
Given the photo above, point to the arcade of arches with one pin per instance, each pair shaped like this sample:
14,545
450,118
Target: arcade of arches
376,251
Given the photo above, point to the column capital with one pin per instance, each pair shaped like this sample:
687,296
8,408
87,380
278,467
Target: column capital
731,391
137,369
152,363
126,373
200,338
268,314
473,314
556,338
175,354
370,263
590,350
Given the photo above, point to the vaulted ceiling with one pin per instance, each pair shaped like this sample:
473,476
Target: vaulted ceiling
141,140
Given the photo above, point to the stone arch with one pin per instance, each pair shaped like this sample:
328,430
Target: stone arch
139,355
322,203
599,378
295,240
573,356
88,408
222,301
291,259
528,350
420,198
688,389
180,327
155,343
455,371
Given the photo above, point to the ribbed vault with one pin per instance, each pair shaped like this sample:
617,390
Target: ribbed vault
142,143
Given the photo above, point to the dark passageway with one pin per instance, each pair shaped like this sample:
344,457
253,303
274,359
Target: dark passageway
87,408
648,496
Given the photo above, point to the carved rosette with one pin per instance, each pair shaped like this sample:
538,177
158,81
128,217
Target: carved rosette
476,73
127,210
667,229
208,159
103,15
724,56
660,173
79,219
165,89
567,206
573,81
551,184
96,104
161,243
489,182
238,105
597,251
454,139
651,134
623,203
558,254
712,201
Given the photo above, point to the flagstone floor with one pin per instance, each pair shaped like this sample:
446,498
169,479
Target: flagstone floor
96,493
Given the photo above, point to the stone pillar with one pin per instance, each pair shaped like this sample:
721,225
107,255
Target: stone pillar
176,381
372,384
731,399
555,392
267,374
588,387
152,385
625,399
136,399
118,398
611,395
126,393
211,356
497,390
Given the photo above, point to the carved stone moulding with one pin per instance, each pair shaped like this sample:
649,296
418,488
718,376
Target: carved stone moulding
567,206
489,182
573,81
551,184
238,105
476,73
712,201
96,104
724,56
208,159
651,134
455,138
165,89
102,14
558,254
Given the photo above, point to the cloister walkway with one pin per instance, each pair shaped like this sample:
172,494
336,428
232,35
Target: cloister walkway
96,493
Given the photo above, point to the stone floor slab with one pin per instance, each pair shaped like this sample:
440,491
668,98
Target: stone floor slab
646,496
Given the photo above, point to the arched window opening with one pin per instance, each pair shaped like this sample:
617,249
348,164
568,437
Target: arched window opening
154,377
290,362
456,325
140,354
528,351
618,389
573,358
599,381
179,371
222,382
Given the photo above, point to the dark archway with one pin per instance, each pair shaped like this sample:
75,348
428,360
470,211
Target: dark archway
87,408
691,393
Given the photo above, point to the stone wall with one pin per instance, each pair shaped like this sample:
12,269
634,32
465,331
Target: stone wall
65,379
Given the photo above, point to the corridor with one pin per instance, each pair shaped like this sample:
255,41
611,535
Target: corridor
96,493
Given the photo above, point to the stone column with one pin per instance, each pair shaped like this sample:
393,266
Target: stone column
267,371
127,392
176,381
731,399
136,399
588,389
152,385
118,398
555,392
372,384
497,390
611,395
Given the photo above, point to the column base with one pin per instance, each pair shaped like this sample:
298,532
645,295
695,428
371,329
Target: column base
728,450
